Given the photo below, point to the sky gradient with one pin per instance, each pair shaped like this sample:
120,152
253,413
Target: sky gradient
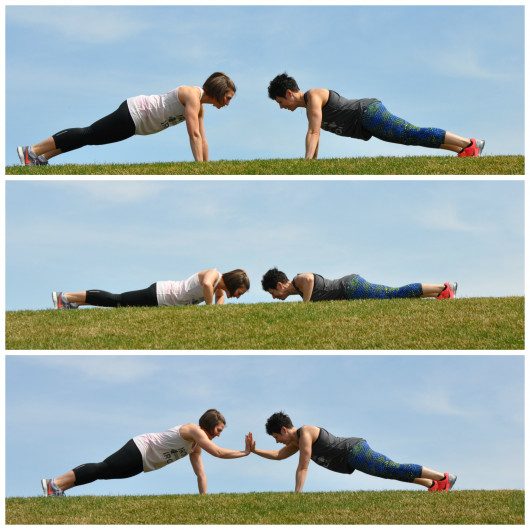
459,68
462,414
124,235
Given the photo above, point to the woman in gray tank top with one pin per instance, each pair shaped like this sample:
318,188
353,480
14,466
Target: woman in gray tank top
315,288
342,455
362,119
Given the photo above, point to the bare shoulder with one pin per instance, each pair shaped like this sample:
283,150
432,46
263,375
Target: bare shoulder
189,94
317,96
312,431
305,276
188,431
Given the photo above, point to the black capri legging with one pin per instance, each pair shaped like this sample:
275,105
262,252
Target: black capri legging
115,127
143,297
124,463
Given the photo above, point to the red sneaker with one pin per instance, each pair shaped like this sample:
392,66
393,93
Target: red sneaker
473,150
435,486
447,482
449,291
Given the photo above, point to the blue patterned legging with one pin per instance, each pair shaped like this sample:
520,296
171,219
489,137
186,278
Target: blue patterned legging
357,287
385,126
365,459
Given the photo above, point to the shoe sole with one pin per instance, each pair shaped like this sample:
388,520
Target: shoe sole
455,287
54,298
451,480
480,146
44,487
20,153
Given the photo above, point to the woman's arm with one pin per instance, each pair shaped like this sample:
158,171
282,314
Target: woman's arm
198,468
314,119
192,108
305,443
202,130
208,278
194,432
219,297
305,283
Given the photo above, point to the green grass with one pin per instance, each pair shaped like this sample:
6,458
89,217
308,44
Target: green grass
462,323
408,165
360,507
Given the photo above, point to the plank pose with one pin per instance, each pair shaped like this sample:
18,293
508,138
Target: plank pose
142,115
202,286
315,288
362,119
151,451
343,455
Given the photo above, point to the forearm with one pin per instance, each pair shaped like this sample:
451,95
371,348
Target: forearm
311,144
202,484
230,453
271,455
301,474
207,291
196,147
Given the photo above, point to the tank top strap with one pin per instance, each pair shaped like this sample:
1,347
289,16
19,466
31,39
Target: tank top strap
218,277
297,290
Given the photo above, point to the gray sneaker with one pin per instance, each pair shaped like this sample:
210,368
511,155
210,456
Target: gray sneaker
60,303
29,158
480,146
50,489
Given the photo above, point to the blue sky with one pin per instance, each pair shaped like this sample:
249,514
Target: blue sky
458,413
460,68
124,235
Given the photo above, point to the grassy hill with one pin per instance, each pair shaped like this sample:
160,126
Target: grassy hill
408,165
360,507
462,323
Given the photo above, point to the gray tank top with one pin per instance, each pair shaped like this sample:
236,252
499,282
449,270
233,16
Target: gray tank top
343,116
332,452
324,289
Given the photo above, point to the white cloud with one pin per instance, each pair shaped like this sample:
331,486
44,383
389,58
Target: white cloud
81,24
462,63
447,218
108,369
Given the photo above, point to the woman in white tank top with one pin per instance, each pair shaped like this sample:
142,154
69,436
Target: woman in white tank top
151,451
207,286
142,115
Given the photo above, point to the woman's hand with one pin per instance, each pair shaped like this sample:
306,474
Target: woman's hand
250,444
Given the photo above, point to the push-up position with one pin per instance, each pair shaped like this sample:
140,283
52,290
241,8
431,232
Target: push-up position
362,119
151,451
343,455
202,286
315,288
142,115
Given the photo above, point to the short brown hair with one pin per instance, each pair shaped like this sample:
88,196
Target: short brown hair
217,85
210,419
235,279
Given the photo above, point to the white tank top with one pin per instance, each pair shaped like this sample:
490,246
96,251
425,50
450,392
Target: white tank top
162,448
182,292
152,114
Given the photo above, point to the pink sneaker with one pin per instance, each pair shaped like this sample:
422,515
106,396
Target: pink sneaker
473,150
447,482
449,291
435,486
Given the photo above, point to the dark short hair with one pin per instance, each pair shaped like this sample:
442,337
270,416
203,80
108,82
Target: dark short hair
280,84
235,279
276,422
272,277
210,419
217,85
